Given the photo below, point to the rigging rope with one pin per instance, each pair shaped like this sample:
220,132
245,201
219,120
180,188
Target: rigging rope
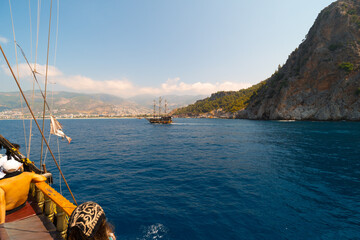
32,114
36,52
31,46
30,132
57,30
59,165
46,150
17,68
46,78
33,73
33,92
35,80
37,32
52,86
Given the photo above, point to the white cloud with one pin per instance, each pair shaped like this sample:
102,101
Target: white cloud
174,85
25,72
85,84
123,87
3,40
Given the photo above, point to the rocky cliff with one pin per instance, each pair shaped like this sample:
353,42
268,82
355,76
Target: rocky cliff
321,78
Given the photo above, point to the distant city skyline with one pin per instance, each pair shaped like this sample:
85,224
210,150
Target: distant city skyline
128,48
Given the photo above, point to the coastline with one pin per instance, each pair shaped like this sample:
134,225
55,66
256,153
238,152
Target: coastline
76,118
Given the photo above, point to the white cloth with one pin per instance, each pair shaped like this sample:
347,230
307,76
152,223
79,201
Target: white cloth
2,161
56,129
11,165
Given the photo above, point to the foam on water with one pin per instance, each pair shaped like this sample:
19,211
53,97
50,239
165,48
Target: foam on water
154,232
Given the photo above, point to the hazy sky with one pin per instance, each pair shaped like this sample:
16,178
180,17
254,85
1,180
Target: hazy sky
130,47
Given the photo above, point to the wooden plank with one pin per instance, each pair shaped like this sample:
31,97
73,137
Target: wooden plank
32,228
56,197
22,213
3,233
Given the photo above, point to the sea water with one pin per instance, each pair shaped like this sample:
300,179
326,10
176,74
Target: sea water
211,178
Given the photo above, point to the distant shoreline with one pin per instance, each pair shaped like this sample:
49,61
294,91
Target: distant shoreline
76,118
140,118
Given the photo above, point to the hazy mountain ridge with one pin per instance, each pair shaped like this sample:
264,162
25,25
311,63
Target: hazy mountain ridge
321,78
69,103
173,101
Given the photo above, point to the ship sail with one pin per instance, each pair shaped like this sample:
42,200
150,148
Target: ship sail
56,129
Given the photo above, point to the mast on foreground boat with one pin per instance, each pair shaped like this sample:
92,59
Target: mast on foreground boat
43,199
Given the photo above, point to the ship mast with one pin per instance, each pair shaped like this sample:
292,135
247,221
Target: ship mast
165,106
154,108
160,99
37,124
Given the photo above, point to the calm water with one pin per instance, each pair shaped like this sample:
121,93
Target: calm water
212,178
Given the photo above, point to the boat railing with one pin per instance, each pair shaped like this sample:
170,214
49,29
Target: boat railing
53,205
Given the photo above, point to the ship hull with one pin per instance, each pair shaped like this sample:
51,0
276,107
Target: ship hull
160,120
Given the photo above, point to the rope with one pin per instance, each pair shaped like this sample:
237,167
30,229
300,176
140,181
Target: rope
17,69
52,88
59,165
37,124
46,150
13,150
30,132
57,30
35,79
33,72
46,78
37,32
4,143
31,46
33,92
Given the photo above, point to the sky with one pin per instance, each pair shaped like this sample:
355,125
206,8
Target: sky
158,47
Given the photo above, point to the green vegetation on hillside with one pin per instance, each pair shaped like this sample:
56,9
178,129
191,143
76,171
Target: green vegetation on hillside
346,66
231,101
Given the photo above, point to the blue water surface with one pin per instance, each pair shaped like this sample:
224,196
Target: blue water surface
211,178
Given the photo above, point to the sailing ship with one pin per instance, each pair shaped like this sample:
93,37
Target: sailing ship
45,213
159,118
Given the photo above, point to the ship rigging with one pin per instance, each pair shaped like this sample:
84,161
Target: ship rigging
45,207
158,117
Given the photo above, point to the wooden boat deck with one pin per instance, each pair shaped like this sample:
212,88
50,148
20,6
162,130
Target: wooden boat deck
28,224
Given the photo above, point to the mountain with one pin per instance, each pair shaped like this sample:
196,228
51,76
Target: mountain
68,104
174,101
321,78
221,104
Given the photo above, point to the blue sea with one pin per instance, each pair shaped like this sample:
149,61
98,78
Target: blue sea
211,178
